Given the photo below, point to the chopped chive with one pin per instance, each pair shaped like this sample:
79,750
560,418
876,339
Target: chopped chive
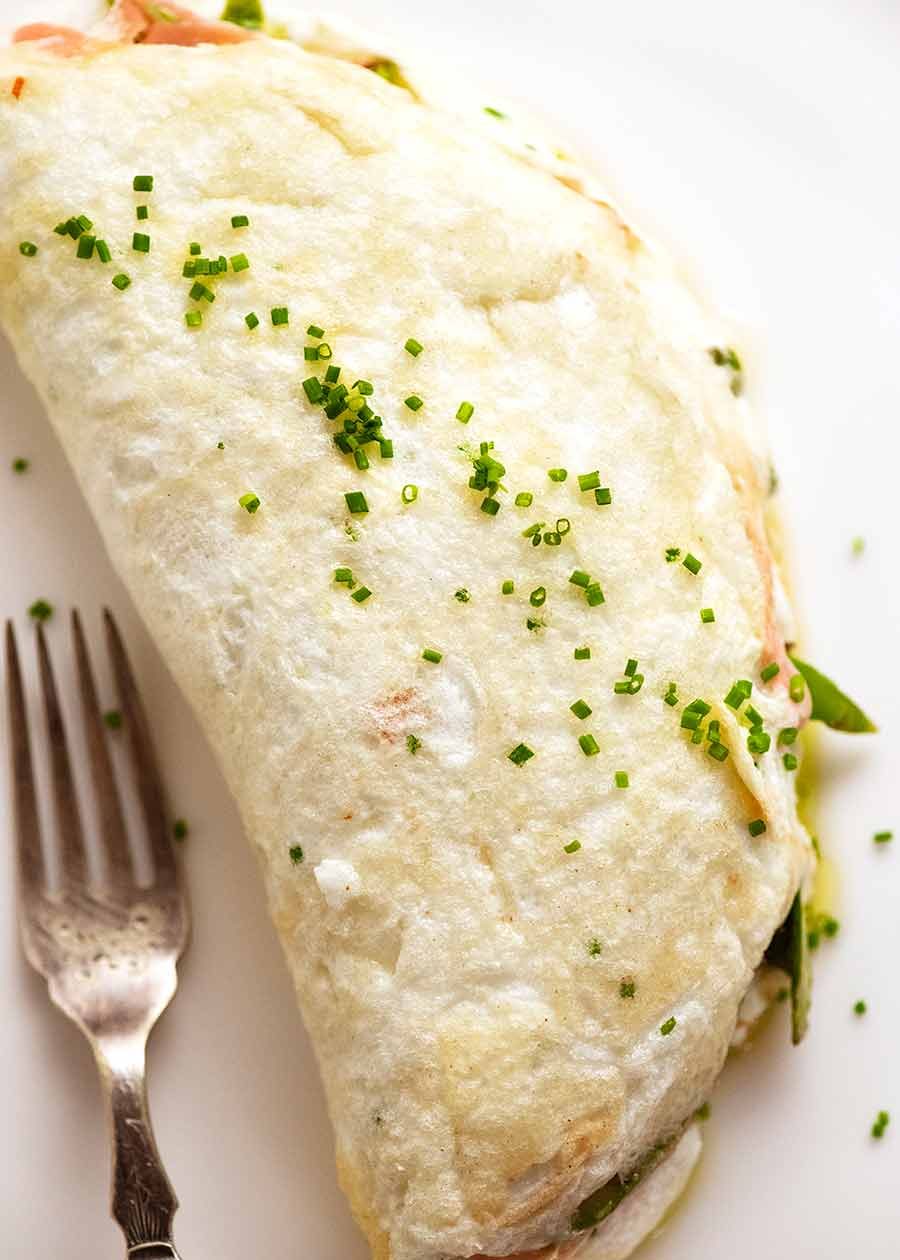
414,402
140,243
295,853
740,692
356,502
582,654
112,718
494,113
578,577
631,667
758,742
671,696
621,779
757,827
433,656
538,596
239,262
413,744
692,564
315,331
718,752
239,221
20,465
465,412
770,671
594,947
386,448
121,281
603,496
252,321
520,754
581,709
707,616
28,248
860,1007
361,459
627,989
668,1026
413,347
788,735
557,474
361,594
508,587
195,248
279,315
594,595
193,319
84,222
409,493
312,386
343,575
249,502
789,761
572,847
180,829
462,595
588,481
103,251
524,498
672,554
143,183
797,688
189,270
40,610
86,244
589,745
199,290
490,506
324,351
143,212
883,837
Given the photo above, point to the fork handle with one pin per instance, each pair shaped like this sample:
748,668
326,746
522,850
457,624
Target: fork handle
143,1201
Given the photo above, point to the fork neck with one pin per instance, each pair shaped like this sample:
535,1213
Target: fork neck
143,1201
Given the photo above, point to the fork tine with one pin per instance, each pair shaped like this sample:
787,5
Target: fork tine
109,810
28,835
148,780
68,818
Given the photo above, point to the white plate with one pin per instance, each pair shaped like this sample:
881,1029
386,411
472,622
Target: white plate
762,145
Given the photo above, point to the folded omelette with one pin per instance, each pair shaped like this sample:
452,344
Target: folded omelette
437,491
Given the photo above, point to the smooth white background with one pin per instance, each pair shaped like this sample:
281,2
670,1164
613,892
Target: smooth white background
760,143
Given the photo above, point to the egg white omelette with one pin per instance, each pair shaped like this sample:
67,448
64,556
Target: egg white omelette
438,493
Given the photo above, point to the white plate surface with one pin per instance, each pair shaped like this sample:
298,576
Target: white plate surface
761,144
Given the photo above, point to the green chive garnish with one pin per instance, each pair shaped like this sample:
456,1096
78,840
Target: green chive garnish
239,262
40,610
143,183
581,709
672,554
490,506
199,290
739,693
195,248
239,221
603,496
193,319
582,654
621,778
279,315
361,594
860,1007
594,595
356,502
692,564
797,688
588,481
252,321
414,402
883,837
20,465
86,244
520,754
409,493
589,745
295,853
432,655
668,1026
524,499
789,761
413,347
718,752
572,847
140,243
465,412
462,595
578,577
671,696
557,474
180,829
538,596
103,251
143,212
757,827
28,248
121,281
507,588
627,989
707,616
771,671
249,502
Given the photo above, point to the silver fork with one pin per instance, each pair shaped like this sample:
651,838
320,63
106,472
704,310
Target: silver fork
108,952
